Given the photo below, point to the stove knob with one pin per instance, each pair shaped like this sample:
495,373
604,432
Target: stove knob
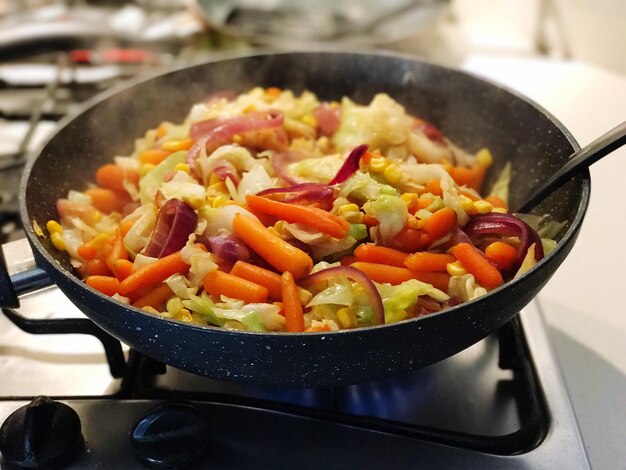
44,433
171,436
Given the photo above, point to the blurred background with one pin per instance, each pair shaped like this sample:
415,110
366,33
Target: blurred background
568,55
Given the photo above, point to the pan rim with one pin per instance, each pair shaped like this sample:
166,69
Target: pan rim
52,264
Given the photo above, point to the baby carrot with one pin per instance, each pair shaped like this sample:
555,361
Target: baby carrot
217,283
434,187
476,263
154,298
502,254
370,220
408,240
394,275
380,254
153,156
273,249
117,251
108,285
112,176
122,268
294,315
310,216
425,261
97,267
496,201
107,200
264,277
437,225
154,273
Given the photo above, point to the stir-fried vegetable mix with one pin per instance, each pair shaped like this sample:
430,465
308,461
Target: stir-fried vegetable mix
274,212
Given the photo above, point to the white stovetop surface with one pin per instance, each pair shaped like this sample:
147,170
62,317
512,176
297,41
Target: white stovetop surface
584,303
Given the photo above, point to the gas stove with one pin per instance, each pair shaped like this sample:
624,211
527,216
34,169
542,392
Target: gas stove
71,396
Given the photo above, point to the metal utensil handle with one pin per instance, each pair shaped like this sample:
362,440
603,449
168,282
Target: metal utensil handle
19,273
582,159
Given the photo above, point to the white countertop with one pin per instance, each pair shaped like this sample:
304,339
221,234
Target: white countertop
584,302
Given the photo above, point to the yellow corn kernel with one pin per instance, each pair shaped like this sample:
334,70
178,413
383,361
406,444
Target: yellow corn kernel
393,173
483,207
57,240
93,217
184,315
466,203
346,318
175,145
409,198
309,120
348,208
378,164
249,109
182,167
54,227
214,179
237,139
220,201
150,309
484,158
146,168
219,187
456,269
499,210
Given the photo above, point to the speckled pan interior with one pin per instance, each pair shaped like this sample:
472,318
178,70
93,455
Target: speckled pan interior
472,112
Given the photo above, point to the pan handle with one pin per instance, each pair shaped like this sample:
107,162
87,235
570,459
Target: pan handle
19,273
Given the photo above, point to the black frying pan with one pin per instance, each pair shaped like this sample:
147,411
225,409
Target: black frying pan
472,112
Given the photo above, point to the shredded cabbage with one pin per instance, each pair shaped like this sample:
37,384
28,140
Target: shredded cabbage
391,213
150,182
398,299
465,287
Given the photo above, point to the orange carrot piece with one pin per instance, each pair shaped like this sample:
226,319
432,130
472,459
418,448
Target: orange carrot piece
153,156
424,202
502,254
319,219
108,285
155,297
434,187
122,268
97,247
112,176
380,255
437,225
118,251
425,261
408,240
395,275
217,283
273,249
154,273
161,130
264,277
126,226
462,175
294,314
496,201
476,263
370,220
97,267
107,200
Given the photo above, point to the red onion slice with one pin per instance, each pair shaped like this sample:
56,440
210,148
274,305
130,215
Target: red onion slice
509,226
227,171
357,276
213,133
175,222
229,248
279,165
350,166
327,118
302,193
430,130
